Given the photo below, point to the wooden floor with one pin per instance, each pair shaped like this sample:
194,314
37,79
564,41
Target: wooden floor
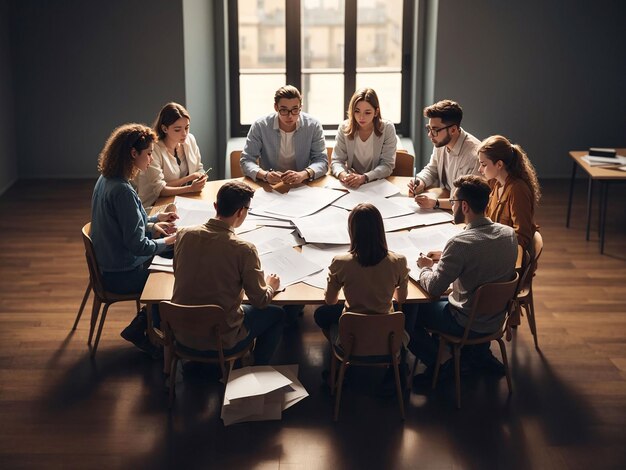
59,409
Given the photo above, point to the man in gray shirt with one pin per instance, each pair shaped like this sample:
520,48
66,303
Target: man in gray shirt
483,253
454,154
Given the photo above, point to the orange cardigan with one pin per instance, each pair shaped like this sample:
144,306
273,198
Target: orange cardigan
515,208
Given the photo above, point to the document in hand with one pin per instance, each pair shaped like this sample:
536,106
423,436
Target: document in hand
261,393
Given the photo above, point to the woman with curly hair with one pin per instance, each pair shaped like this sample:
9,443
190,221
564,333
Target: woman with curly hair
515,190
124,238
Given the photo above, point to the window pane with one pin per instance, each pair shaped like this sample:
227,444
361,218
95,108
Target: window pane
388,87
261,34
379,34
322,34
256,93
322,97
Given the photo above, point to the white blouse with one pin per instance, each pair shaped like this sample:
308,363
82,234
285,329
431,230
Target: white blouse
164,168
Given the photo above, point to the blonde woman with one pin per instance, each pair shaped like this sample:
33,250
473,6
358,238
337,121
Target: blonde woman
366,144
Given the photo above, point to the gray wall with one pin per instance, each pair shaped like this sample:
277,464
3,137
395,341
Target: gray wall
548,74
198,19
8,161
84,67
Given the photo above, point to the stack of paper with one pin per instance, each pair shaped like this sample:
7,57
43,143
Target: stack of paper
289,265
261,393
162,264
327,226
604,161
416,218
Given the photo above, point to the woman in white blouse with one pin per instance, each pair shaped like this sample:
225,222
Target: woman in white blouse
176,167
365,148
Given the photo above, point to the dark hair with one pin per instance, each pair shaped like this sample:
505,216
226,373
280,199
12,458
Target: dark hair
115,159
450,112
288,92
232,196
169,114
474,190
515,161
368,243
369,96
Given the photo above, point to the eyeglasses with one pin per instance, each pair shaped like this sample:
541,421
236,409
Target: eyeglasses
286,112
452,201
434,132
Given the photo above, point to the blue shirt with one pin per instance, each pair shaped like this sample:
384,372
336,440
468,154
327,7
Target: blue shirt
263,142
118,226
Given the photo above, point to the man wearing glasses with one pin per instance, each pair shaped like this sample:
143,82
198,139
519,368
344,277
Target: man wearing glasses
212,265
484,252
454,155
289,144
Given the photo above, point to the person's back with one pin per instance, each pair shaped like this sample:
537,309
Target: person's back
368,289
213,266
483,253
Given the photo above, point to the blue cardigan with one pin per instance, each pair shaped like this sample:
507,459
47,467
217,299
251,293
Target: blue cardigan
118,227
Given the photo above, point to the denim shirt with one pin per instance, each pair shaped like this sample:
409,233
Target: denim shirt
263,142
118,227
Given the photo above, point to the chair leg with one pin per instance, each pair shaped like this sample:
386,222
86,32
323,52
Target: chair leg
173,371
530,308
102,318
95,311
457,374
82,305
333,373
342,373
505,362
398,386
442,345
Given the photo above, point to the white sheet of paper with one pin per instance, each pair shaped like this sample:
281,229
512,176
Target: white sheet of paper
302,201
192,211
387,207
416,218
162,261
329,225
267,239
380,188
289,265
253,381
322,255
433,237
161,268
297,392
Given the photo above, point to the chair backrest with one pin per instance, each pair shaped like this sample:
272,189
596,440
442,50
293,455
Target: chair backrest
492,299
196,326
235,167
405,164
95,276
370,335
329,152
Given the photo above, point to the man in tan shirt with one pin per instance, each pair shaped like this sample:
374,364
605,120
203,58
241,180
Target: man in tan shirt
214,266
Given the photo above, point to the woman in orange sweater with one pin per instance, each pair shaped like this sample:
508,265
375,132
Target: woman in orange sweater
515,190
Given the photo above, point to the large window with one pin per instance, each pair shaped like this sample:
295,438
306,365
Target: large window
326,48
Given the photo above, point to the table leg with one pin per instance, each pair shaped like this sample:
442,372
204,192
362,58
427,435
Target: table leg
571,193
604,196
589,200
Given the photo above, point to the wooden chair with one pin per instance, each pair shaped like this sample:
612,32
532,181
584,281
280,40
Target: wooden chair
367,340
524,297
82,305
405,165
101,295
235,167
489,300
200,326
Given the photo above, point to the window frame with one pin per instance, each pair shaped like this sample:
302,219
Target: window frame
293,61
